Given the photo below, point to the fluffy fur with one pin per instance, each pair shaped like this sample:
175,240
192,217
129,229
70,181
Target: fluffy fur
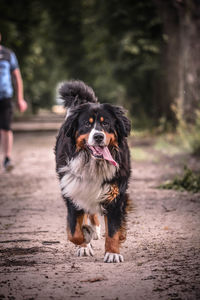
93,165
86,179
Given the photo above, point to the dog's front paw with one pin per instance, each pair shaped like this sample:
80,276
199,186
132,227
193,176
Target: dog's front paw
113,258
85,251
88,233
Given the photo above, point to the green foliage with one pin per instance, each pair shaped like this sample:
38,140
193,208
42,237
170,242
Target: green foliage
139,154
41,67
194,138
24,26
189,181
188,134
134,48
115,46
112,45
169,145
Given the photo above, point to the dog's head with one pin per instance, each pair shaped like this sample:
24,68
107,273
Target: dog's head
97,128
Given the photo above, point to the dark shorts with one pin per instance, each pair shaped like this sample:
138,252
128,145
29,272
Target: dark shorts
6,113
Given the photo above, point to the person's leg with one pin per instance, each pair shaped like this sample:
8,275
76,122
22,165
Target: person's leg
6,114
7,142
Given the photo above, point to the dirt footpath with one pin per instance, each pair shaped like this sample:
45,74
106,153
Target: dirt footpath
162,251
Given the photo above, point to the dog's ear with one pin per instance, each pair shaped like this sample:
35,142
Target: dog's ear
71,123
123,124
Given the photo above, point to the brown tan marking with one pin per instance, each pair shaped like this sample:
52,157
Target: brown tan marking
85,219
77,238
111,139
80,141
84,245
113,193
91,120
102,119
94,220
112,244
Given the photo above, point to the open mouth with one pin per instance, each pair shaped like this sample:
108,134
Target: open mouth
100,152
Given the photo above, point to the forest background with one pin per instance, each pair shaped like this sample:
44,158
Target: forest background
144,55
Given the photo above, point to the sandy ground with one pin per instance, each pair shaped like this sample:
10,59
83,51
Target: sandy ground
161,253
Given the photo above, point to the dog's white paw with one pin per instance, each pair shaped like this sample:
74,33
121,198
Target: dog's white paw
85,251
88,233
96,232
113,258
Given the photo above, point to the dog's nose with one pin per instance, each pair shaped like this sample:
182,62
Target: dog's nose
98,137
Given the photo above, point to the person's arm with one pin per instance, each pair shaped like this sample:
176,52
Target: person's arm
18,83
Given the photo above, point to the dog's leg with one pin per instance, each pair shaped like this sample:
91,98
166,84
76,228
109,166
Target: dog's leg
85,248
112,243
94,222
115,228
78,232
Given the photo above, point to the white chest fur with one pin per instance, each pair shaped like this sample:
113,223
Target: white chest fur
82,182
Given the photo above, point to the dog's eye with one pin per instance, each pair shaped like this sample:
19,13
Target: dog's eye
88,124
105,124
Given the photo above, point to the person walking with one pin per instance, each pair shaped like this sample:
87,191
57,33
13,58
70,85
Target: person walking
10,77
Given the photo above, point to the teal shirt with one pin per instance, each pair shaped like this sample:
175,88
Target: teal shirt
8,63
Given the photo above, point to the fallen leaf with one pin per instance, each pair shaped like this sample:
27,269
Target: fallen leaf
95,279
166,228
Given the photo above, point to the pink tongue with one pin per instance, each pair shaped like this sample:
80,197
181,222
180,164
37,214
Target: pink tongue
105,153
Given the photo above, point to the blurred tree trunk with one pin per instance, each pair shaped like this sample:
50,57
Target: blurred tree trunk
189,93
180,80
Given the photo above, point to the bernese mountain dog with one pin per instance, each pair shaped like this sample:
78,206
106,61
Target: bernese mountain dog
93,166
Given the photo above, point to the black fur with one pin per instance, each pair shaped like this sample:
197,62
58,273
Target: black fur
76,92
72,215
72,121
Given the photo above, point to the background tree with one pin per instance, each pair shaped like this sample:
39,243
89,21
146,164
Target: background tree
181,54
25,26
141,54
